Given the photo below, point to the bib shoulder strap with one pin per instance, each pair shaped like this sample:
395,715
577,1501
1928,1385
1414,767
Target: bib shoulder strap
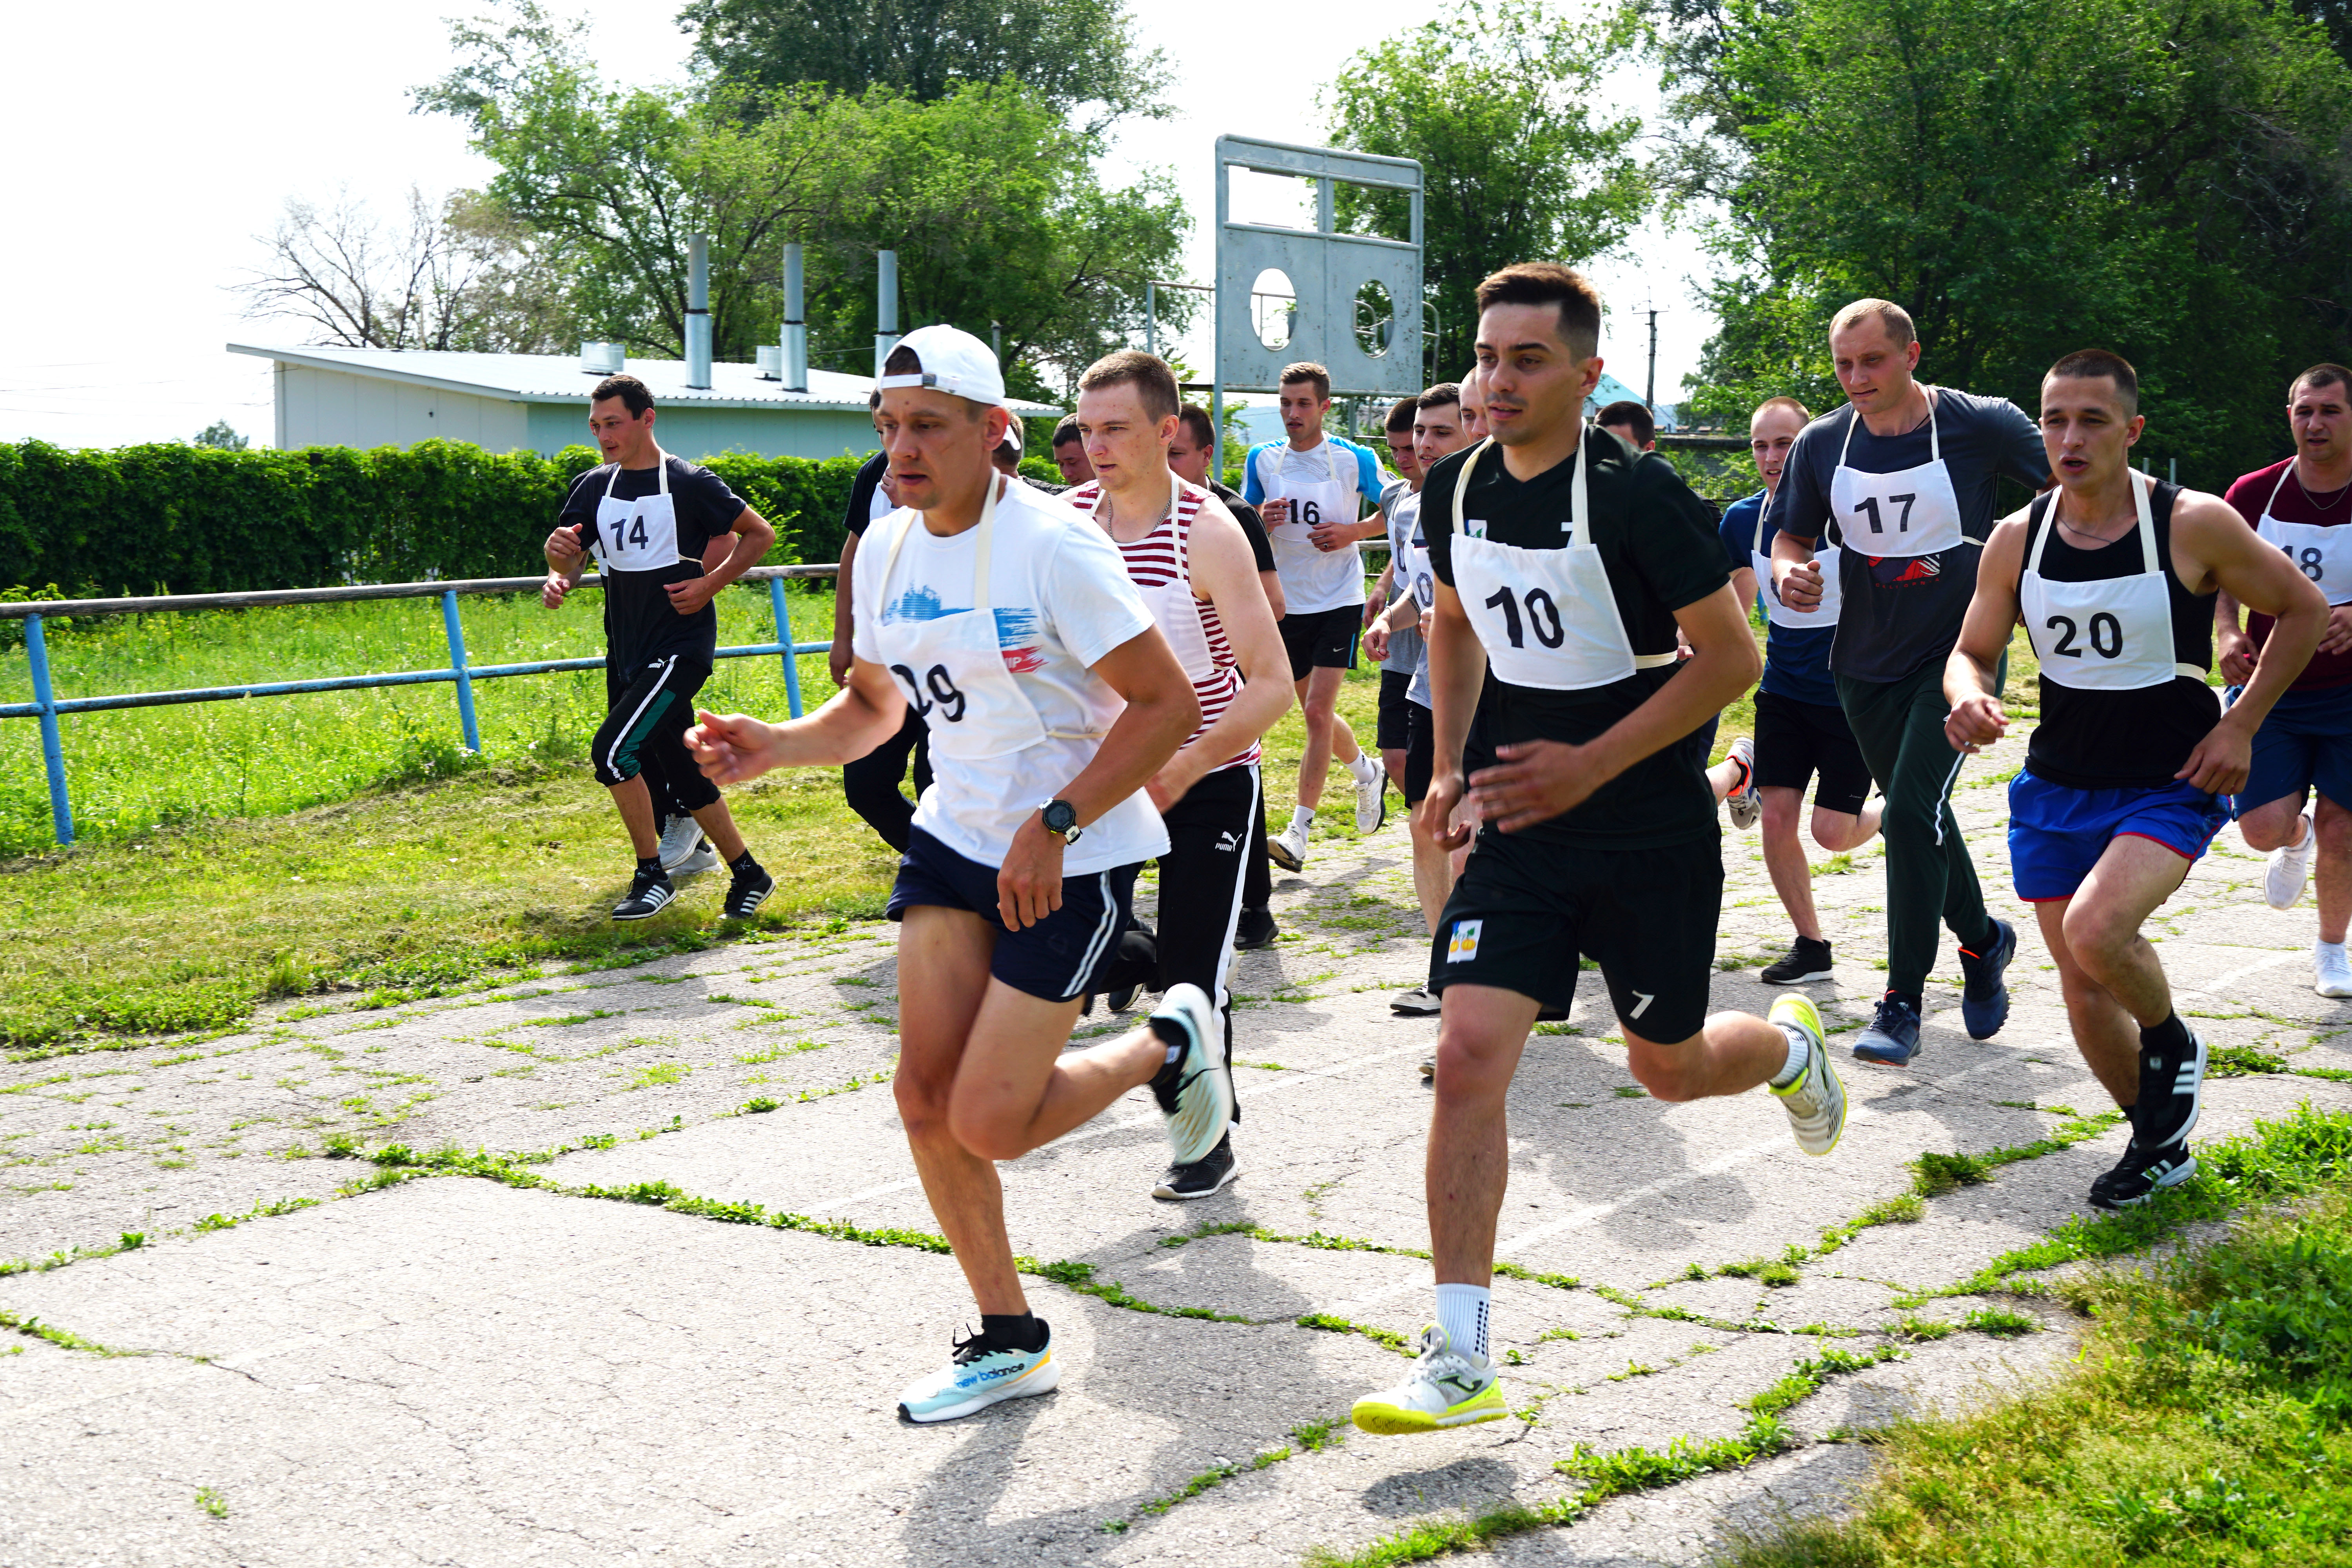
2049,505
1462,481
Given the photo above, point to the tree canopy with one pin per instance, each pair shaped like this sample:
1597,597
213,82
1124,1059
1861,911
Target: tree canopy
1496,101
2168,183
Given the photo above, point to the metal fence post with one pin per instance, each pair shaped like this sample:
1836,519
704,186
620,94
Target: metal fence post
458,662
53,751
784,635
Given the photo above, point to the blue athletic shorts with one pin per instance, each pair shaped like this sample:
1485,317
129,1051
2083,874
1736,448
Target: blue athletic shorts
2057,834
1058,957
2306,742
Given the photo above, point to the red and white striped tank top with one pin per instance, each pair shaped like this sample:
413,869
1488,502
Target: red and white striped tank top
1159,564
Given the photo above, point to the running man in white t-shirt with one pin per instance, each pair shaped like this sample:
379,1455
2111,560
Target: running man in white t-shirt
1311,490
1008,620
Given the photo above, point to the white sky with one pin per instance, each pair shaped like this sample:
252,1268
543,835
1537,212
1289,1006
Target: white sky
145,203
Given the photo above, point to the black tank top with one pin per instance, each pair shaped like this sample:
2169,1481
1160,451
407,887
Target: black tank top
2124,740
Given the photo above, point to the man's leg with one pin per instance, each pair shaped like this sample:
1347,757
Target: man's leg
2332,874
1784,858
635,805
1326,733
871,783
634,719
1480,1035
1201,881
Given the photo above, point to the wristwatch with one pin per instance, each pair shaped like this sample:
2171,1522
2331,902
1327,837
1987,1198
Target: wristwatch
1061,819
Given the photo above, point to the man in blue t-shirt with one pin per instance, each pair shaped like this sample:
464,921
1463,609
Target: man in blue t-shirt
1801,730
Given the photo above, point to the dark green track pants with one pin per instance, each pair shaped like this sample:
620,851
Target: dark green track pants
1899,725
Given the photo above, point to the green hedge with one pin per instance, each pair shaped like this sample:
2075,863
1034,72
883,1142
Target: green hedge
194,520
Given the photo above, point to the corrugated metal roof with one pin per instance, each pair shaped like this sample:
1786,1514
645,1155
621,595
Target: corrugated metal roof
558,378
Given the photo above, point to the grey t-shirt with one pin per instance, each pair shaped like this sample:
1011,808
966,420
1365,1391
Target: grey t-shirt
1400,508
1901,612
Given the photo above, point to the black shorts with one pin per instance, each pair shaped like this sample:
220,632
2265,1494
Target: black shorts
1058,957
649,706
1392,734
1796,740
1523,912
1321,639
1419,751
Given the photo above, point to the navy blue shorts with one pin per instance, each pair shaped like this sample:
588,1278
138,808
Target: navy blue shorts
2306,742
1058,957
2057,834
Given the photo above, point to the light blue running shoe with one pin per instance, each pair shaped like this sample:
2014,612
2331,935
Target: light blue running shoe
1193,1092
979,1376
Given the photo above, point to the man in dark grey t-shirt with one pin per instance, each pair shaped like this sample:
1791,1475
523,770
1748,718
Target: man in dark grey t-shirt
1901,484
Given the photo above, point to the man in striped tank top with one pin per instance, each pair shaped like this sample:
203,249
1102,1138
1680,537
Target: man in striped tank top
1198,576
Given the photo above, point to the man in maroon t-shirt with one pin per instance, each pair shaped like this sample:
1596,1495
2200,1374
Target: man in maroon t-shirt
2303,506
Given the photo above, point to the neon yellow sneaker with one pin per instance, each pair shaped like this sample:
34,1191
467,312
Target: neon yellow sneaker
1447,1388
1816,1102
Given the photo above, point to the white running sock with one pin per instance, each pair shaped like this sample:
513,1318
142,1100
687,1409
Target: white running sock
1302,817
1364,768
1800,1053
1462,1313
2323,951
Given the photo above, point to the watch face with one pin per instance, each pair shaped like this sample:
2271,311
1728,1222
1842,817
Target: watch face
1061,816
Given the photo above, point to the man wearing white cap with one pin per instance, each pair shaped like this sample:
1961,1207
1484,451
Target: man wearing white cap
1005,618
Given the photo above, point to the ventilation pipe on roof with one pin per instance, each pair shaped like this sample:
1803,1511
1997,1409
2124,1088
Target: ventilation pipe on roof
886,319
698,311
796,342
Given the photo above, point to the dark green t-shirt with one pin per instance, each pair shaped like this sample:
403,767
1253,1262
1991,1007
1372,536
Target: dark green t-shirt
1657,540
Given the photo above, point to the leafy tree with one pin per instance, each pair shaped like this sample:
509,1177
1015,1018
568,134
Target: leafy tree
221,437
1078,54
1496,101
2025,180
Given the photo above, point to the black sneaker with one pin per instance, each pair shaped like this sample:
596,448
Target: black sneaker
2142,1174
1213,1172
1132,970
1807,962
1255,930
1984,1000
649,893
2171,1092
747,891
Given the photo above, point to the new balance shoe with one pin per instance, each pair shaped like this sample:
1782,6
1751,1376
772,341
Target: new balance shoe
682,840
1213,1173
650,891
1418,1003
1192,1090
1984,999
981,1373
746,892
1446,1387
1372,793
1256,929
2283,878
2142,1174
1816,1102
1805,962
1745,804
1287,849
2331,971
1893,1038
2171,1095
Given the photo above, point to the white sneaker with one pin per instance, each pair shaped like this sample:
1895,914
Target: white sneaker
1816,1102
1287,849
684,848
2332,970
1372,793
1448,1387
1193,1092
2282,882
1745,802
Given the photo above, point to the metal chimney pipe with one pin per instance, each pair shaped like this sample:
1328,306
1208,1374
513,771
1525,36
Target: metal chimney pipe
698,311
795,322
886,317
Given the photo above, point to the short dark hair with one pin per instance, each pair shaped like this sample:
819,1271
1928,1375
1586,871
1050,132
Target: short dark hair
1445,393
2325,374
1400,414
1198,424
1153,382
1803,414
1308,370
1066,431
1549,283
1634,415
1900,329
2089,364
904,361
632,393
873,400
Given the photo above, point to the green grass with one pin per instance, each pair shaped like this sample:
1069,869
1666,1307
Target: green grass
233,853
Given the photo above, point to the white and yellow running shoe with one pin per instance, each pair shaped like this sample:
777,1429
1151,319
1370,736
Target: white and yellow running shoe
1448,1387
1816,1102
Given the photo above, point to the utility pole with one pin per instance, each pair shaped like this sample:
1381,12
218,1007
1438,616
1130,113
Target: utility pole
1650,393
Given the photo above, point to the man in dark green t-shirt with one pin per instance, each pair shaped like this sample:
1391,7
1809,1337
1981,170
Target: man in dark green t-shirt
1565,563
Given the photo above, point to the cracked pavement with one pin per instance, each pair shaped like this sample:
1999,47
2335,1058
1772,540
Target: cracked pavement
459,1370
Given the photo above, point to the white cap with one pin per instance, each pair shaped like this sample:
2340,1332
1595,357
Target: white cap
954,361
1012,433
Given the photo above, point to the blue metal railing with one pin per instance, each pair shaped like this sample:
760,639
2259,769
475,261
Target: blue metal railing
46,707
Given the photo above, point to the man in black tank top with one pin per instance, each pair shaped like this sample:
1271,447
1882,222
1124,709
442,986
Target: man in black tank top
2114,575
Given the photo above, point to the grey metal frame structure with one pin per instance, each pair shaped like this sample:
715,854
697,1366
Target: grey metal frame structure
1326,269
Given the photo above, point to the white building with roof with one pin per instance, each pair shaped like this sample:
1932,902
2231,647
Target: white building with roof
539,403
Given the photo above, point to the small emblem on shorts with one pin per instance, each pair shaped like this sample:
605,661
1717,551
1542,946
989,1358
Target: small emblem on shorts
1464,947
1647,998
